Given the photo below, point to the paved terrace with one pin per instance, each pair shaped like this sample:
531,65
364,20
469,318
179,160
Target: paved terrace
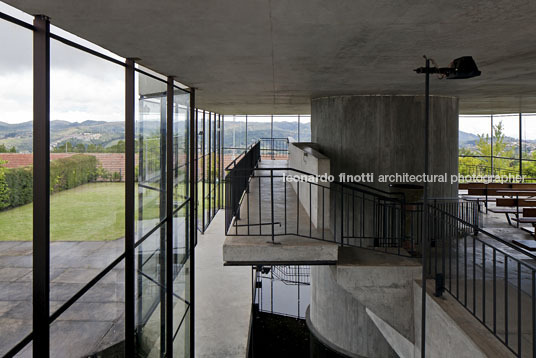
91,324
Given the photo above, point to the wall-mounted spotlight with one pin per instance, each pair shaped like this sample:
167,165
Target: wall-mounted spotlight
463,67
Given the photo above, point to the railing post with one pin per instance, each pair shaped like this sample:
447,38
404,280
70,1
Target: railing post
475,219
342,216
272,202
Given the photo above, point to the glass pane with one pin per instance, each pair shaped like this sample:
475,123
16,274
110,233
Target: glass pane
150,297
87,166
528,128
285,127
180,146
505,144
16,180
305,128
259,127
181,281
200,169
151,210
235,135
181,340
474,145
151,153
93,325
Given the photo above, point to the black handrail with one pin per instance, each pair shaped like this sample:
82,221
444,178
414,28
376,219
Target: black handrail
473,266
236,182
273,146
369,219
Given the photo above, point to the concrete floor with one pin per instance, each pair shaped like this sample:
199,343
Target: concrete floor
223,297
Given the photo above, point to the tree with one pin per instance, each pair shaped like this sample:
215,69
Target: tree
4,149
119,147
500,149
63,148
80,148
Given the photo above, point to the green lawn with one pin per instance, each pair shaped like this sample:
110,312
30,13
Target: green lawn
90,212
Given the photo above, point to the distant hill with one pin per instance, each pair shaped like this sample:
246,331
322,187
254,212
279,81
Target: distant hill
465,138
87,132
108,133
235,132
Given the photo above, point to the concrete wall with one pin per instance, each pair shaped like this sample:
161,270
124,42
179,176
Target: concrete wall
340,321
304,157
363,279
385,135
370,306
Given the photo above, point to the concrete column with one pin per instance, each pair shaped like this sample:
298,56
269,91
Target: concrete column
385,135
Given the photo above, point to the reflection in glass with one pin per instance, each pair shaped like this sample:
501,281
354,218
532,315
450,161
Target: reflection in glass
151,211
94,324
16,211
87,166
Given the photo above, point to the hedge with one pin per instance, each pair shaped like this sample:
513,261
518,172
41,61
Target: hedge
65,173
70,172
20,186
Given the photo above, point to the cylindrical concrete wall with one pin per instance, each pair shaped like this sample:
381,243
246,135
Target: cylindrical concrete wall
385,135
339,320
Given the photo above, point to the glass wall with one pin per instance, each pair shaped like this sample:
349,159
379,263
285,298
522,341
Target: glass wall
16,159
91,211
234,138
151,213
499,144
528,144
304,134
210,165
259,127
244,130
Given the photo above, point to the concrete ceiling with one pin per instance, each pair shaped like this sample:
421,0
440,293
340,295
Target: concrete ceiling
273,56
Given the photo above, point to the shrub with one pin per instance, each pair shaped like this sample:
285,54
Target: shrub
20,184
4,189
70,172
116,176
65,173
103,174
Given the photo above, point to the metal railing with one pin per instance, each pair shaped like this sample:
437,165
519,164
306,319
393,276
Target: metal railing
265,203
492,278
489,276
237,181
269,297
292,275
274,148
488,171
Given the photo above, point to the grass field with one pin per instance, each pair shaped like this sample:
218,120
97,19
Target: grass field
90,212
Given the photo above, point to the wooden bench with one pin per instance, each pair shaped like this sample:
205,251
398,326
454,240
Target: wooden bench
529,217
483,192
490,192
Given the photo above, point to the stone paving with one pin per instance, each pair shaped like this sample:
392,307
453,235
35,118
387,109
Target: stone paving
91,324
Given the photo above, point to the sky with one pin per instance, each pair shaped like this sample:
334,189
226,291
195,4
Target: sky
510,122
83,87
